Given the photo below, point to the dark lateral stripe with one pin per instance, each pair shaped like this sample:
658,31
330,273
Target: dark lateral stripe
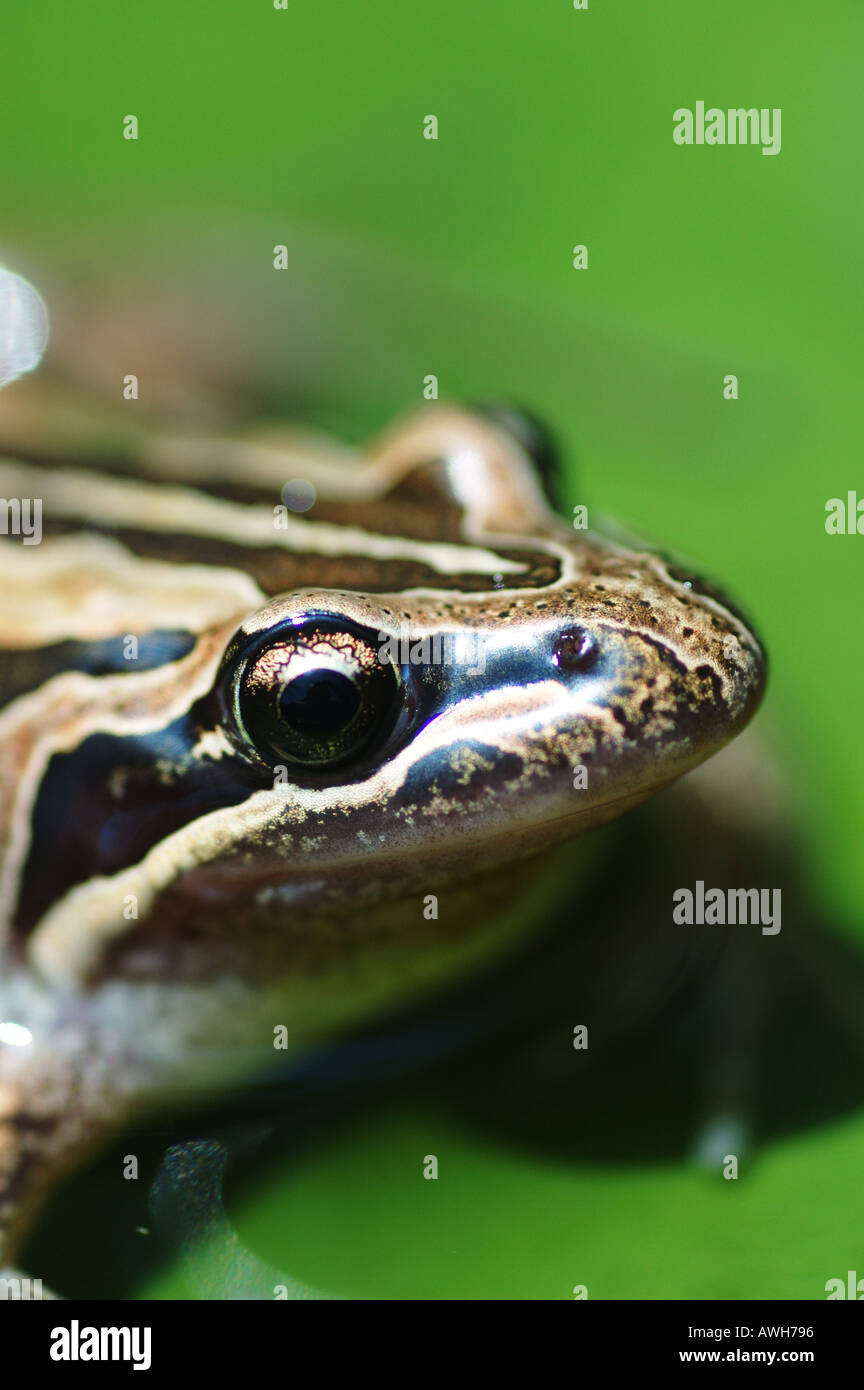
27,668
411,521
103,805
278,570
419,507
118,465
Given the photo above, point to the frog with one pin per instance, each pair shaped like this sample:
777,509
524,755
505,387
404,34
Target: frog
293,734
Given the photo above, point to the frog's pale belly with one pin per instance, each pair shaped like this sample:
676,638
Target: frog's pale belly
255,761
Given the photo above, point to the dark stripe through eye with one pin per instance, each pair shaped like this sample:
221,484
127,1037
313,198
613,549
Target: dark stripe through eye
103,805
27,668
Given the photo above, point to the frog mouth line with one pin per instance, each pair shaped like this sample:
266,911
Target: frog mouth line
227,885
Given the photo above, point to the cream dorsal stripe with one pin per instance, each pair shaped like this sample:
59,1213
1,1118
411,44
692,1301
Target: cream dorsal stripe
78,493
89,587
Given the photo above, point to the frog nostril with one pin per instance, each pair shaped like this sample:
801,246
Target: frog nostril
575,651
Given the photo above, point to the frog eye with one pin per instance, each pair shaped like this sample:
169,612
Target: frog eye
314,694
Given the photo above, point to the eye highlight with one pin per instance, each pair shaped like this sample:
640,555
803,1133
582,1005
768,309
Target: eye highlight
315,694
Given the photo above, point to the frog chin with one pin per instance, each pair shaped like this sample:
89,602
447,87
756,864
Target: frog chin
321,958
348,881
488,807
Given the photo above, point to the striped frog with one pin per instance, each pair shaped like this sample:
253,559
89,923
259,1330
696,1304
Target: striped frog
276,766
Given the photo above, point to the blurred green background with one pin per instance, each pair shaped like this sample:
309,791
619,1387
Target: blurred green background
453,257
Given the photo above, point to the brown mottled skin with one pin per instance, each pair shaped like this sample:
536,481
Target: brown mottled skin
261,898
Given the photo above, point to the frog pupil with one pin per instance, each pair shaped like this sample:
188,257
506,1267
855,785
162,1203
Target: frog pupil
319,704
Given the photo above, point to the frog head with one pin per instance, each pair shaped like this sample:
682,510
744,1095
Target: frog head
442,679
